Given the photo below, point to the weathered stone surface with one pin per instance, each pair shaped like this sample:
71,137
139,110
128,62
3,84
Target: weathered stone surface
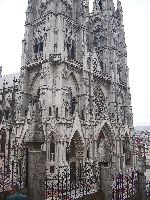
75,64
36,175
106,182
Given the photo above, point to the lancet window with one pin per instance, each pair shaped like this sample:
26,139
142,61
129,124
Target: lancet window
51,149
126,149
72,101
38,47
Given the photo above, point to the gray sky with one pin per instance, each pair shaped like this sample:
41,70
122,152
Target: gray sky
137,28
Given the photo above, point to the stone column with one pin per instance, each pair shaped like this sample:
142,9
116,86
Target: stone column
142,185
141,169
106,182
36,157
36,174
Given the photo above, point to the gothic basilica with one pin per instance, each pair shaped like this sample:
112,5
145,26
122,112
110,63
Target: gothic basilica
73,81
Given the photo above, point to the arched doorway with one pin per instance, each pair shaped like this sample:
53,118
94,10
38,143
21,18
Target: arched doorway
76,155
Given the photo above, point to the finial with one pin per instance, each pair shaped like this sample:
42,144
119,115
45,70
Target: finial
119,12
35,134
119,6
1,71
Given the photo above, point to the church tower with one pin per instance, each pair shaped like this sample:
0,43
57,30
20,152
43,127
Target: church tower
75,63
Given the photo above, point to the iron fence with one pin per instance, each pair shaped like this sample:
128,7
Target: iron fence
68,185
13,173
125,185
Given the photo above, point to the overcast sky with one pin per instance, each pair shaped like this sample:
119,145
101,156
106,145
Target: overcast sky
137,28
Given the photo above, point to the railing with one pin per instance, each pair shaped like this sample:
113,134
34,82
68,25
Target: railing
73,184
14,174
125,185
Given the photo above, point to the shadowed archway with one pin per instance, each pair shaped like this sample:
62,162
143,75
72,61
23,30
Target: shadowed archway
104,145
76,154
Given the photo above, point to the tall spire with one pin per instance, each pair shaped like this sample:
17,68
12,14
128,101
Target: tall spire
1,71
35,133
80,8
119,12
102,5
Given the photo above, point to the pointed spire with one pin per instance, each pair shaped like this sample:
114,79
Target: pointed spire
102,5
119,12
1,70
119,6
35,134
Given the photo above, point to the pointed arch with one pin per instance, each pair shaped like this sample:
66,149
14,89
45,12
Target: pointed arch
76,147
51,135
107,131
104,144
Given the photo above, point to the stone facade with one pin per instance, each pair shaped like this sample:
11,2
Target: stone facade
75,63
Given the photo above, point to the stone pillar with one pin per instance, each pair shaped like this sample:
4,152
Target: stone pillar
36,174
36,157
142,185
106,182
141,169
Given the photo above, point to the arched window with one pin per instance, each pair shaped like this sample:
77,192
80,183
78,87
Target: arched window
36,46
102,66
50,111
73,51
41,46
72,101
57,112
52,151
73,105
67,153
52,169
127,149
82,115
88,154
66,113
